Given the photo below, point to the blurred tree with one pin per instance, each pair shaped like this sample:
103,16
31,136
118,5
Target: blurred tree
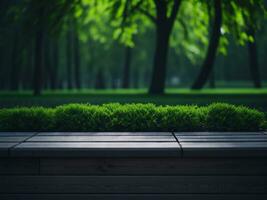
253,16
55,64
162,13
232,17
77,58
100,80
213,46
69,54
115,41
127,67
164,25
43,17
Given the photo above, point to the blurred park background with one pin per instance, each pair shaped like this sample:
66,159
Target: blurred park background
54,52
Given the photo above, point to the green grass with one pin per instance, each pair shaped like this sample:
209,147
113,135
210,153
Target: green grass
255,98
184,91
132,117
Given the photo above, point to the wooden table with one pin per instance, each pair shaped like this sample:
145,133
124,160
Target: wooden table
167,166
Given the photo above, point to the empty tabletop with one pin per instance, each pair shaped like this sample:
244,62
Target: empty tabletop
97,149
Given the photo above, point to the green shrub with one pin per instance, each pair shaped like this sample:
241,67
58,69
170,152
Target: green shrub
225,117
179,118
81,117
132,117
27,119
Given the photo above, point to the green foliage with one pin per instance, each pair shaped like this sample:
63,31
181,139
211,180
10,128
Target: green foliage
81,117
47,15
180,118
190,34
225,117
27,119
132,117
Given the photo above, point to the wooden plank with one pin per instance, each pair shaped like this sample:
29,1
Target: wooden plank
225,138
102,139
216,133
133,184
224,149
4,148
105,134
97,149
153,166
13,138
16,134
132,197
222,140
16,166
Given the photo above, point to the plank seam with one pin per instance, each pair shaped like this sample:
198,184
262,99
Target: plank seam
9,149
177,140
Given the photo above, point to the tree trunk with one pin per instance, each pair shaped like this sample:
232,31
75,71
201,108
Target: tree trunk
100,80
164,25
77,61
212,79
27,83
69,57
127,68
136,79
90,66
39,61
47,62
212,49
160,61
1,69
14,74
54,74
253,61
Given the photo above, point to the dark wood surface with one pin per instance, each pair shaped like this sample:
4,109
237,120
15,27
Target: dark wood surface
143,166
109,144
153,166
101,138
132,197
223,138
224,149
105,134
96,149
133,184
4,148
13,139
10,134
19,166
216,133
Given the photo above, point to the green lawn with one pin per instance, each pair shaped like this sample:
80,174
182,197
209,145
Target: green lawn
256,98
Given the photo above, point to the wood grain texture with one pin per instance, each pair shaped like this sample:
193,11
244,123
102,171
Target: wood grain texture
4,148
133,184
224,149
16,134
222,139
16,166
131,197
105,133
153,166
13,138
260,136
216,133
97,149
100,138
